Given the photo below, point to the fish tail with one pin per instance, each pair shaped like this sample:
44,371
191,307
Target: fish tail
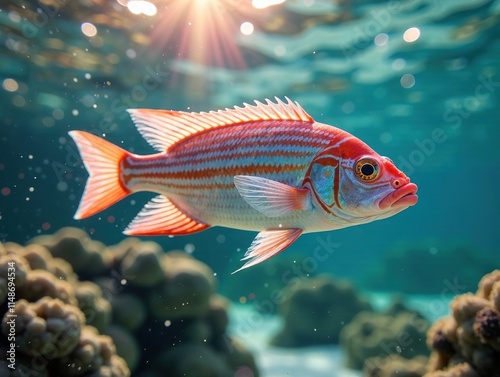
103,162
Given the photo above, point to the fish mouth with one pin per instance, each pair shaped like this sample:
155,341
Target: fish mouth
403,197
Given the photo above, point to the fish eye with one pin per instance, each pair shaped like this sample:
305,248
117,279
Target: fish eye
367,169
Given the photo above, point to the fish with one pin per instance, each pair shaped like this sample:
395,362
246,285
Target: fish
267,167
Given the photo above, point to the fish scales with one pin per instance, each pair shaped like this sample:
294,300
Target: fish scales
199,170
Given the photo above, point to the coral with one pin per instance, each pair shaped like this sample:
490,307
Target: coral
441,337
192,360
142,263
76,247
457,370
133,300
40,258
216,316
487,325
468,342
126,345
37,256
183,308
22,365
41,283
14,270
316,310
62,270
185,289
382,335
486,284
123,316
48,327
94,355
237,356
489,288
97,310
395,366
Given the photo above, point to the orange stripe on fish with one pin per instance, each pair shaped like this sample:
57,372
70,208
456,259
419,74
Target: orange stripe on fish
215,172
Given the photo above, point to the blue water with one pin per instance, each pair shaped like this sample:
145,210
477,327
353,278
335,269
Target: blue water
430,103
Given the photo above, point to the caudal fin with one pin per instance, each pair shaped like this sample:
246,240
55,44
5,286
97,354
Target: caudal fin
104,186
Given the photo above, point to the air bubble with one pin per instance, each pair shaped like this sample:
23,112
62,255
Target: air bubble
62,186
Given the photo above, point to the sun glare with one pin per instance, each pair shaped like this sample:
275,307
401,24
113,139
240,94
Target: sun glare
204,31
144,7
261,4
246,28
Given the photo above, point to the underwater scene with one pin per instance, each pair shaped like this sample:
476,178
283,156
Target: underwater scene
249,188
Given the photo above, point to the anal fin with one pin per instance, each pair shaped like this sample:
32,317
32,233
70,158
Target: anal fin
269,243
162,217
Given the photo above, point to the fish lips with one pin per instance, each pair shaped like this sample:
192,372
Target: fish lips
404,196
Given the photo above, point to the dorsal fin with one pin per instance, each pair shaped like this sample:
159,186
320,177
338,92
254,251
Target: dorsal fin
163,128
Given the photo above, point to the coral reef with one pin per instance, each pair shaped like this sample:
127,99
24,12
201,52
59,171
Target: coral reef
97,310
93,350
47,326
315,311
184,290
158,311
395,365
467,344
399,331
77,248
426,276
43,327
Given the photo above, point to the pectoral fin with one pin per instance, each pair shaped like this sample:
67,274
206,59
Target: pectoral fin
270,197
269,243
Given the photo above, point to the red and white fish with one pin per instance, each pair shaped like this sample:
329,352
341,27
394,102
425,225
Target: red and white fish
265,167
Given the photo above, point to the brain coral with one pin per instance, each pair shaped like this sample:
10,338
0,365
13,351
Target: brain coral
185,289
382,335
48,330
76,247
47,327
94,355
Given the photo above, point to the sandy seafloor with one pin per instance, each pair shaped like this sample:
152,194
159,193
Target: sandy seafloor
255,330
